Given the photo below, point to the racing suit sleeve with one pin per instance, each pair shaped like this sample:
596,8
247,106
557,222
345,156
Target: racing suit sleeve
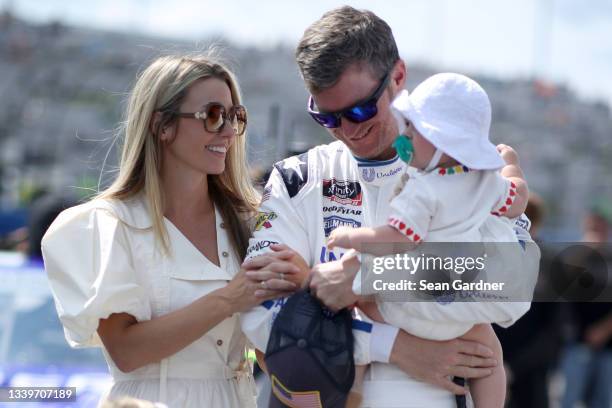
277,222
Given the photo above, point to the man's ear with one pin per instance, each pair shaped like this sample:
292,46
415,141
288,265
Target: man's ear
398,76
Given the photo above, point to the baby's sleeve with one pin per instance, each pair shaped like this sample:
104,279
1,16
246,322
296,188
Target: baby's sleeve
412,209
506,194
90,269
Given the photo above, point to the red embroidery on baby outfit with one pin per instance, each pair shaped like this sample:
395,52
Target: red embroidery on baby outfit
404,229
509,200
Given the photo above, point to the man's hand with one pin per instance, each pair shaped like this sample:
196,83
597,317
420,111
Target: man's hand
435,361
332,282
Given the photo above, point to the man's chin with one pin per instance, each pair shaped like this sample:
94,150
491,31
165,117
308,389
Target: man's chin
372,152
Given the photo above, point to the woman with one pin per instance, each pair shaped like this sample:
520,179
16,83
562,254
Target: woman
149,269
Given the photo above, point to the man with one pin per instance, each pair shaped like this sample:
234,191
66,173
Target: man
351,66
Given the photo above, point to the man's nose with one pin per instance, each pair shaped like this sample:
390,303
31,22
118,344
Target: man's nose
349,129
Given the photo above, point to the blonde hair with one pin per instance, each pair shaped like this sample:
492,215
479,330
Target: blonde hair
162,87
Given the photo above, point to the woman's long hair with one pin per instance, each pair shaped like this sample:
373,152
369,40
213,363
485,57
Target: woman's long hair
162,87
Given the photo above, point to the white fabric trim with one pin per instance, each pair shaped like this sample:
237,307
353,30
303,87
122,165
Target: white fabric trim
383,338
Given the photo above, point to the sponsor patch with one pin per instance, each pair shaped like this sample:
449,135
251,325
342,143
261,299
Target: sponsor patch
523,222
342,191
294,171
329,255
263,220
338,209
259,245
370,174
333,222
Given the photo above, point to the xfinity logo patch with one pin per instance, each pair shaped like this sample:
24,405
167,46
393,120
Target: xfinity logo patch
342,191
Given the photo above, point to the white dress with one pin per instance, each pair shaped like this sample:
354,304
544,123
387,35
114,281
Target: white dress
452,205
101,259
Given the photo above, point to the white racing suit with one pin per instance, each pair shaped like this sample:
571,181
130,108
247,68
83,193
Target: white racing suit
309,195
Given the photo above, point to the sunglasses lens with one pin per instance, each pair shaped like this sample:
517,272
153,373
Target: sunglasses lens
361,113
215,118
238,119
326,120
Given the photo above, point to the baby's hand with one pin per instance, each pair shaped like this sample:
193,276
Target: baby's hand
340,237
507,153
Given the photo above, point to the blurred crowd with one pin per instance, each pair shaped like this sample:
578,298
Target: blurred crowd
562,351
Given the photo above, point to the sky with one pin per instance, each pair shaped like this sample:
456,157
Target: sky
567,42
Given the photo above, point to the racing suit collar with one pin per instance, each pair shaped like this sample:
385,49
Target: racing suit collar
380,172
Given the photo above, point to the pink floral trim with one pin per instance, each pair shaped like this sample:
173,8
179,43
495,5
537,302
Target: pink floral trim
509,200
404,229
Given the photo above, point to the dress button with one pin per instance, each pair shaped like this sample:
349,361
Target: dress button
219,342
222,225
225,254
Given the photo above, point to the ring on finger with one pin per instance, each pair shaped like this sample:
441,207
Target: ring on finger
263,284
282,276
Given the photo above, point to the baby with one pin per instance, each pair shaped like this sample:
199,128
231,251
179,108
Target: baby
444,133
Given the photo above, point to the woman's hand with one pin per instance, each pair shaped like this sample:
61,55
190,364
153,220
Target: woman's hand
243,293
435,361
282,264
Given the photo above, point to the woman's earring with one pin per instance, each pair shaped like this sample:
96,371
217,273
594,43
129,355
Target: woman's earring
163,137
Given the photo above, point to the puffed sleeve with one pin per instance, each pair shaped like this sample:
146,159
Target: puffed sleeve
412,209
90,269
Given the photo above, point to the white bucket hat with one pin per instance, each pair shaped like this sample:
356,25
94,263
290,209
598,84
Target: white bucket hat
453,113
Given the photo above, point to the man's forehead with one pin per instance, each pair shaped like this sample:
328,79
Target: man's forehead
357,82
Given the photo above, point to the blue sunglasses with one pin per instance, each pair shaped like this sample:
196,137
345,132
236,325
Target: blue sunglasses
360,112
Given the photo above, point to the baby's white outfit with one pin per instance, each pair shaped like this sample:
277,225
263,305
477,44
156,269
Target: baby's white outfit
453,113
448,205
